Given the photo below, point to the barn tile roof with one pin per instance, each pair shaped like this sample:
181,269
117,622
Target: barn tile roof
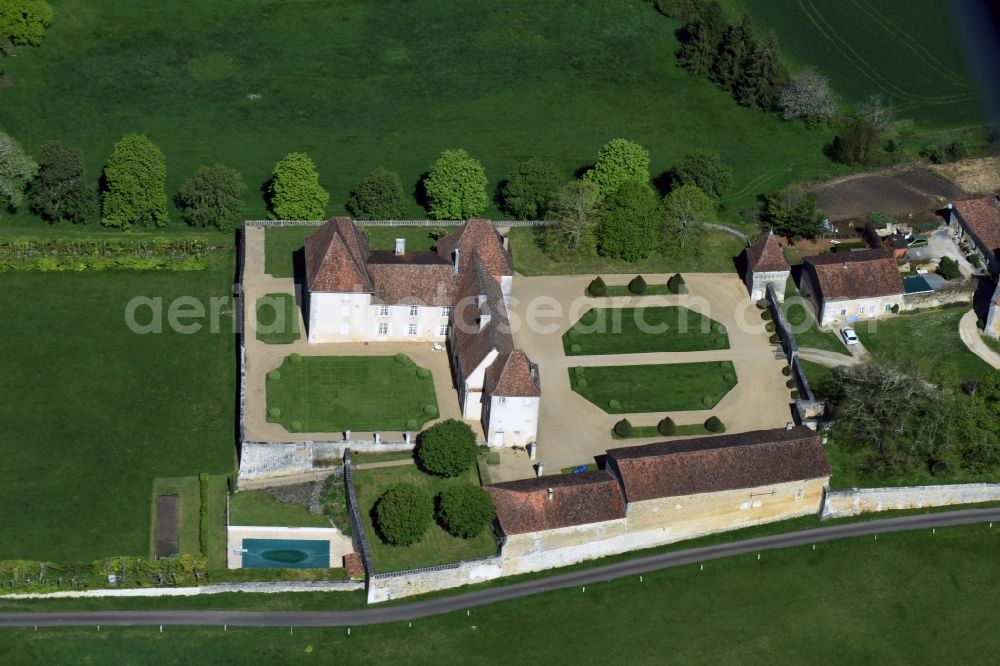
858,274
765,255
480,319
577,499
413,284
982,217
481,236
513,375
335,258
723,462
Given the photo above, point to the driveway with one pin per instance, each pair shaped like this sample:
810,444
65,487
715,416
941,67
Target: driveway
941,244
968,329
572,430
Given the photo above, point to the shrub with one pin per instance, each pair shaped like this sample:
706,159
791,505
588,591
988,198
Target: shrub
296,426
769,327
790,384
399,358
766,315
430,410
575,348
581,383
773,339
729,377
976,261
713,424
447,448
666,426
274,375
623,428
725,365
274,412
955,150
295,358
464,510
614,404
597,287
637,285
379,196
718,328
707,400
786,371
411,424
579,371
761,304
795,395
423,373
403,513
676,284
948,268
895,307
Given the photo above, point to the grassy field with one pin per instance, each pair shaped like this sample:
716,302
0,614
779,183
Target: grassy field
524,79
807,332
819,377
189,496
928,340
716,255
912,597
907,52
337,393
278,316
283,244
643,329
256,507
623,290
437,546
654,388
93,412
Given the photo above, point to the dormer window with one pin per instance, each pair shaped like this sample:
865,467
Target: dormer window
414,310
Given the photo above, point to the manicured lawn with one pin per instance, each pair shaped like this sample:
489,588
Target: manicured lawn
556,73
912,597
636,330
337,393
820,378
655,388
907,52
623,290
256,507
277,319
283,245
807,332
437,546
927,340
992,343
93,412
715,255
189,495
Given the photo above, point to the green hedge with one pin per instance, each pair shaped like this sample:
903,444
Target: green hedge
100,254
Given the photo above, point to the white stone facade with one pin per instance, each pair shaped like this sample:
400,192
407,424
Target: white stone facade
757,283
354,318
511,421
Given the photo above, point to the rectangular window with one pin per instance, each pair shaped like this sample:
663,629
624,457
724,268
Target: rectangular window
383,329
414,311
502,400
383,311
442,331
888,308
446,311
412,330
843,313
871,309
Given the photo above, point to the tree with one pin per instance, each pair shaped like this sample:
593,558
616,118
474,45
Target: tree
16,171
701,37
676,284
378,197
294,192
456,186
575,213
24,21
666,426
637,285
619,161
530,189
134,189
791,215
213,197
623,428
734,53
948,268
763,76
714,425
61,190
704,169
807,96
686,210
862,133
597,287
464,510
629,223
447,448
403,513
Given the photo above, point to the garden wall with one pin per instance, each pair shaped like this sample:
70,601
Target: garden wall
963,293
267,459
840,503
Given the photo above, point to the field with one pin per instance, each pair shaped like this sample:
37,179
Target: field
337,393
93,412
907,52
644,329
437,546
927,340
654,388
912,597
254,507
221,82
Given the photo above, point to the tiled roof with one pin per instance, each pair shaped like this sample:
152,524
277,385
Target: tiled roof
481,236
982,217
765,255
513,375
475,339
413,284
335,258
577,499
859,274
723,462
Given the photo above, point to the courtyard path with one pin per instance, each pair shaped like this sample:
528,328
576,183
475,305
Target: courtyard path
828,358
973,339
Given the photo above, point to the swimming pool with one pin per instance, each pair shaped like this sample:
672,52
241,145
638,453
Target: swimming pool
286,554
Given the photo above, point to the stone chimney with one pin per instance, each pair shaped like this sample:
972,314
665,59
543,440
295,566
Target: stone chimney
456,255
551,493
400,246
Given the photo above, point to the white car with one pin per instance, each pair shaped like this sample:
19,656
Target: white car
850,337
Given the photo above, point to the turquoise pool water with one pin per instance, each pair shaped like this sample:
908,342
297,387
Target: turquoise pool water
285,554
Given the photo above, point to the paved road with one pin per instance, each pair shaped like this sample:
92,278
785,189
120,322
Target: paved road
411,611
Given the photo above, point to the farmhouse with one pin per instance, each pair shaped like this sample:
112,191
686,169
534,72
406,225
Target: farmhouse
766,265
979,221
458,294
846,287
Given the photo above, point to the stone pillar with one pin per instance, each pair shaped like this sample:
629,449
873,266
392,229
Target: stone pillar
406,437
378,437
347,435
538,468
532,450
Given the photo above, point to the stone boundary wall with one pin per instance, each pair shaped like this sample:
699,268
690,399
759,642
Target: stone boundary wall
963,293
409,223
218,588
841,503
357,527
264,459
788,343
